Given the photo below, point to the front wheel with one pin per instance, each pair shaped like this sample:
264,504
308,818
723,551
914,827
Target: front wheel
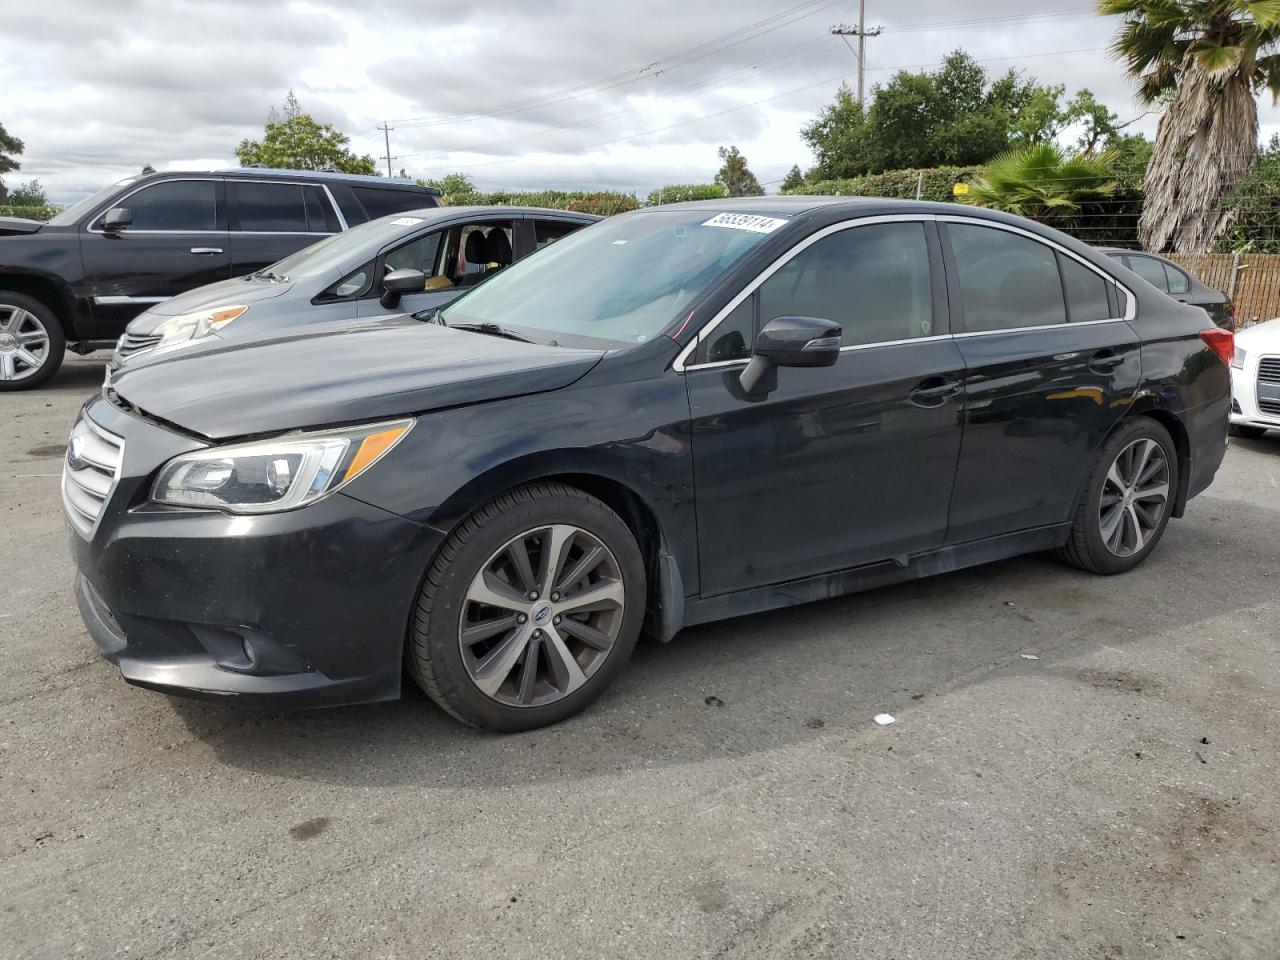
1127,501
31,342
530,609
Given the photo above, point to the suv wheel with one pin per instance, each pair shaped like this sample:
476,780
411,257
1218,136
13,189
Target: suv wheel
529,611
31,342
1127,501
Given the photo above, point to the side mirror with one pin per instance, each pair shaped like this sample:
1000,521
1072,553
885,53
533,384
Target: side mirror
116,219
790,342
399,282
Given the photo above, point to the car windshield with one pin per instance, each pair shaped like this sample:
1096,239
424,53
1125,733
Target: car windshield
359,243
620,281
78,209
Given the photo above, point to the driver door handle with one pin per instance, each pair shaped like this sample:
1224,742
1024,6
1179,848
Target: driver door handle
934,392
1105,360
205,251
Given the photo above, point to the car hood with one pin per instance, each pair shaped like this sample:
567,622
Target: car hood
12,225
321,375
1260,336
224,293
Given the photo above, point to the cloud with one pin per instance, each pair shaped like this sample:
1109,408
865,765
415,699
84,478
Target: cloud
559,93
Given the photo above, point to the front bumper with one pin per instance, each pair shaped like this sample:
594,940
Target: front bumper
304,608
1246,397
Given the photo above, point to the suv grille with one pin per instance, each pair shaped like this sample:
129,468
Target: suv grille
1268,373
89,474
130,344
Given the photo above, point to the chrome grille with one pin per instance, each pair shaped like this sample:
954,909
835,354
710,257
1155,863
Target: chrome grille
131,343
89,474
1269,374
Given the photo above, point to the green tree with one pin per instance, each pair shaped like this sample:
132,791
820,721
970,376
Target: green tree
1098,124
794,180
839,138
30,194
10,148
452,186
294,140
1205,61
1043,183
734,175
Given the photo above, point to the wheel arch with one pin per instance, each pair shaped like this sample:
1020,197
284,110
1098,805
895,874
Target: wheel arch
1148,407
49,291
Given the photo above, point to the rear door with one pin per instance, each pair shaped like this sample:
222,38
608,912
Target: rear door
176,242
270,220
1051,365
842,465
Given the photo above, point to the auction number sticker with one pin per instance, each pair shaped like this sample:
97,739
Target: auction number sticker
745,221
406,221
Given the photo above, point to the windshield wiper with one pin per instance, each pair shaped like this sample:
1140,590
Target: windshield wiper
492,330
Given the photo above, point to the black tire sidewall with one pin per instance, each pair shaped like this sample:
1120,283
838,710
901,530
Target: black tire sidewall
1101,559
439,631
57,340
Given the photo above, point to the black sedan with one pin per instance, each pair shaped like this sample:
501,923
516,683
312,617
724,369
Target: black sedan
1185,287
408,261
676,416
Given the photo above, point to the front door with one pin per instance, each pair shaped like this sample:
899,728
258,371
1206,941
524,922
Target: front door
177,241
1051,366
843,465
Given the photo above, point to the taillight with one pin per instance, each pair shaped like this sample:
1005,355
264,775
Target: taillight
1222,342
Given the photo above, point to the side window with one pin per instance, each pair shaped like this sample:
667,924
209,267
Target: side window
476,249
1178,281
380,201
1006,280
872,280
270,207
1150,270
174,205
1086,292
549,231
732,338
419,253
355,284
320,215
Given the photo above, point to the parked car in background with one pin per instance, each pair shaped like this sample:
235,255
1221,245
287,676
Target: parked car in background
76,281
677,415
406,262
1255,380
1178,283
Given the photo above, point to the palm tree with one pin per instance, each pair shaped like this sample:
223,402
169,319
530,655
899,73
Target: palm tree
1043,183
1205,60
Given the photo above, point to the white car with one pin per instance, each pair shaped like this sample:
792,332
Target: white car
1255,380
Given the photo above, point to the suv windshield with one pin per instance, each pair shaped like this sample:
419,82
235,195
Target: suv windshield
81,207
359,243
620,281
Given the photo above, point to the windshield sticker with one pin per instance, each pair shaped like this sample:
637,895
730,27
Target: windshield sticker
746,221
406,221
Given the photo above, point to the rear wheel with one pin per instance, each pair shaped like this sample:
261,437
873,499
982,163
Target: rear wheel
31,342
529,611
1126,503
1246,432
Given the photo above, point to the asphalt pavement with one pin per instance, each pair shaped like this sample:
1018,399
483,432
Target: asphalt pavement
1080,767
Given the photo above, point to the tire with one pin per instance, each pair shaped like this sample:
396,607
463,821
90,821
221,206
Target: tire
1246,432
28,331
481,559
1103,544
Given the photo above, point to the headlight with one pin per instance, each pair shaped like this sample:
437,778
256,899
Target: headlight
282,473
195,326
1238,358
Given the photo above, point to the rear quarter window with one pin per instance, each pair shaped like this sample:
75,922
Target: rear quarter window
381,202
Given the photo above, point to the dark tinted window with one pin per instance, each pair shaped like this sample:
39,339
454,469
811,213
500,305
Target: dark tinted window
549,231
1086,292
175,205
872,280
1151,270
1006,280
732,337
320,215
270,207
380,202
1178,281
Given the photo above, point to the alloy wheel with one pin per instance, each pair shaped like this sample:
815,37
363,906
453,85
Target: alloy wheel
1135,496
541,616
24,343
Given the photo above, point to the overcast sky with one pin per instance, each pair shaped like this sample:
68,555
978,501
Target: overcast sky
558,93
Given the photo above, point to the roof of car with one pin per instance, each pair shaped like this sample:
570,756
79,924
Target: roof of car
373,181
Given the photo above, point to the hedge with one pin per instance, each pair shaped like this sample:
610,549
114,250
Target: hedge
935,183
602,202
680,192
28,213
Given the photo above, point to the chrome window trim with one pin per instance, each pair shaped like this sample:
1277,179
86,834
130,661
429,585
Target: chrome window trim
116,299
342,221
155,183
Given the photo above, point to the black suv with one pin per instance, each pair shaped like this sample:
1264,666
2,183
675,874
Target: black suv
77,280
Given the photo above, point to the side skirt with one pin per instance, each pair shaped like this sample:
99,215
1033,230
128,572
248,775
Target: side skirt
944,560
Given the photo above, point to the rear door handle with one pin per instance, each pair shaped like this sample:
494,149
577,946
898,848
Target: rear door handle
934,392
1105,360
206,250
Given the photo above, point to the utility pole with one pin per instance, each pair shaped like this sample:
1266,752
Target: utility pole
386,136
861,32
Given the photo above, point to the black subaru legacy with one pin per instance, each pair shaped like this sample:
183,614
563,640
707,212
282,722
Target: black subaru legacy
676,416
